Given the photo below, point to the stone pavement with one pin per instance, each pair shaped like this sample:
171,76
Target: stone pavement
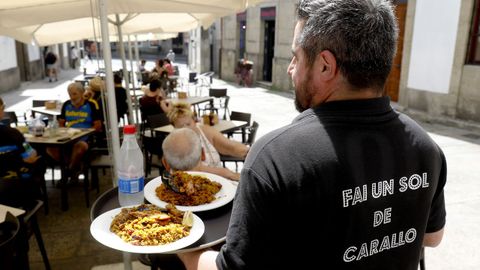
271,109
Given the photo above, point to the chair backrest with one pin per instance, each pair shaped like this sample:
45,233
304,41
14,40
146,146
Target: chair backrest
153,145
157,120
17,192
192,77
252,134
5,121
217,92
241,116
12,116
38,103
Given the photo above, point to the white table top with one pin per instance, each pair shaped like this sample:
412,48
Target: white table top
224,126
4,209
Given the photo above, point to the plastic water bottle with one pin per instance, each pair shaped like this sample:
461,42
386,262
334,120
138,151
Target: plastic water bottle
54,126
130,170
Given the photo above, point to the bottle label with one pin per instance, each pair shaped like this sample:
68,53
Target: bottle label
130,186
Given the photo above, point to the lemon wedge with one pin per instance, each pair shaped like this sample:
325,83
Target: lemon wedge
187,219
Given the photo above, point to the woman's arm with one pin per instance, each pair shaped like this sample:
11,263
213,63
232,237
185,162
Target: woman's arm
224,172
165,105
224,145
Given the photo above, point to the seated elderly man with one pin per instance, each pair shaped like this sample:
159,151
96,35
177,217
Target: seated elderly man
182,150
77,113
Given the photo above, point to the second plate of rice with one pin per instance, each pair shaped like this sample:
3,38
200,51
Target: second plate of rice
222,197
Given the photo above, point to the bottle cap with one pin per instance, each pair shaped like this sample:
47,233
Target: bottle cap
129,129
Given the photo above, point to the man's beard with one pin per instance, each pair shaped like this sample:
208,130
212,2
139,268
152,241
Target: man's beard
306,91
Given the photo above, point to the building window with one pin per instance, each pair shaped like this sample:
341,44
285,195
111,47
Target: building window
473,56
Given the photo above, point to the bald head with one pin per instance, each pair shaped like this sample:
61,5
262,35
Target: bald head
182,149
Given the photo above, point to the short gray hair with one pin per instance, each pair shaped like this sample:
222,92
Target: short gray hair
182,149
76,86
362,34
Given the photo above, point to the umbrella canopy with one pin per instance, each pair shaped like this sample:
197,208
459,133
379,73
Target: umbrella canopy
145,37
88,27
18,13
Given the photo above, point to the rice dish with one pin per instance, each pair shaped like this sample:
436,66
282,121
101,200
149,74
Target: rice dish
195,190
148,225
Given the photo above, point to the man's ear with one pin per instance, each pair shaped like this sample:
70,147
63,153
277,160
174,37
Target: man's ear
326,65
165,164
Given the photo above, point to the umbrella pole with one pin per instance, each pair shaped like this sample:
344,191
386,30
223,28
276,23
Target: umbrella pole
112,105
135,100
107,56
124,67
137,55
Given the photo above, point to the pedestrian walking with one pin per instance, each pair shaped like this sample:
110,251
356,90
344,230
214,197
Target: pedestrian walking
73,57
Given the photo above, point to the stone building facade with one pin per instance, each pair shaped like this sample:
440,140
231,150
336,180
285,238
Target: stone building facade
459,99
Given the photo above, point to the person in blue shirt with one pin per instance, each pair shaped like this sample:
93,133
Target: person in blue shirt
20,165
77,112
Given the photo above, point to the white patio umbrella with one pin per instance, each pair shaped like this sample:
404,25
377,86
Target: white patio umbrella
18,13
144,36
88,27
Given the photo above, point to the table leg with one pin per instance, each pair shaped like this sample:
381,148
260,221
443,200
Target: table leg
63,181
22,247
244,135
127,261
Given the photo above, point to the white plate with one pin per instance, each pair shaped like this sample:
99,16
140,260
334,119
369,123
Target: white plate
223,196
100,230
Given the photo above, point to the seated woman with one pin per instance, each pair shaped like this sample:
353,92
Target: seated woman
213,142
168,66
77,113
159,66
182,150
154,100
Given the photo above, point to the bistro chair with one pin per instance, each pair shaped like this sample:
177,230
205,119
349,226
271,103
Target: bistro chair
157,120
220,101
15,191
38,103
9,233
153,153
240,116
251,135
152,143
12,193
12,118
203,81
98,159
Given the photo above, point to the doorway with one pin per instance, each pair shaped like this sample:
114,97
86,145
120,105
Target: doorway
241,38
268,49
22,61
392,84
